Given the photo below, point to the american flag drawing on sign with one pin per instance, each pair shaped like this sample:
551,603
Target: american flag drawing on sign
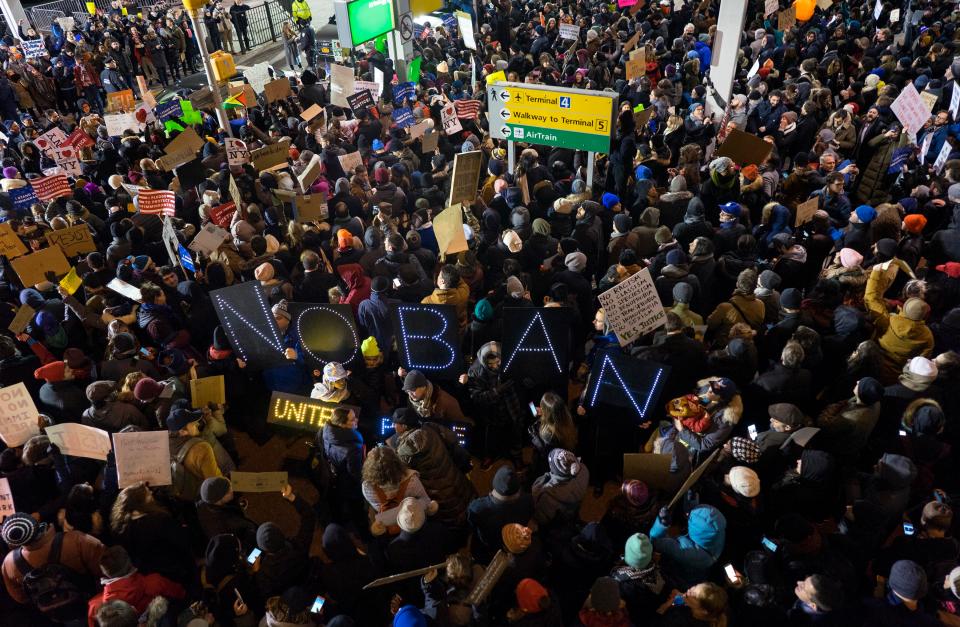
50,187
157,201
467,109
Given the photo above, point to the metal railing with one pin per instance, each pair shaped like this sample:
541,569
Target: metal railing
264,22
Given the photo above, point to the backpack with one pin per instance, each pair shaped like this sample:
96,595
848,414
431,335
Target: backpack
52,588
185,484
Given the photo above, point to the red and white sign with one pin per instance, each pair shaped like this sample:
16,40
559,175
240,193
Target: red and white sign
67,158
80,140
467,109
157,201
222,215
451,124
50,187
50,140
237,153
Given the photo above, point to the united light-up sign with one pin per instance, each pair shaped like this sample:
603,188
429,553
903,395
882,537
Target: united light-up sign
301,412
360,21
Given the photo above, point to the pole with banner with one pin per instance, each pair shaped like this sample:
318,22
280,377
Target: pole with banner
193,8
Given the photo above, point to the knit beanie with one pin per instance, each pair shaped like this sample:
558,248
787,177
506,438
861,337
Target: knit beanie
638,551
908,580
541,226
849,258
516,538
505,481
21,529
915,309
411,515
605,595
213,489
563,463
409,616
636,492
532,597
744,481
369,347
146,390
914,223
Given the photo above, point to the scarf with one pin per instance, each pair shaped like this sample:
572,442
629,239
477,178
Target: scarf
720,182
424,407
326,392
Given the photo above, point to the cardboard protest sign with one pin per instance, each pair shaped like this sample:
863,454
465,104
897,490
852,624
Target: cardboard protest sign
360,102
636,68
73,240
341,85
201,98
183,148
18,415
142,456
145,93
22,318
81,441
310,173
633,307
125,289
258,481
10,244
207,390
32,268
237,153
910,110
310,207
269,156
311,112
157,202
208,239
235,194
418,129
805,211
301,412
245,314
278,89
7,506
326,333
744,148
121,101
651,468
770,6
787,18
627,47
622,381
466,176
350,162
430,142
930,100
448,227
535,343
427,338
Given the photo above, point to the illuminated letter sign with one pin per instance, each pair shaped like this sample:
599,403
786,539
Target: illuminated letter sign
301,412
245,315
325,332
623,381
536,342
428,340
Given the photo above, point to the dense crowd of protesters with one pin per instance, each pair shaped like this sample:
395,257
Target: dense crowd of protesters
813,363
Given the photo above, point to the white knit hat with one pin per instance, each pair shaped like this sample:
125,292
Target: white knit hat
744,481
923,367
410,516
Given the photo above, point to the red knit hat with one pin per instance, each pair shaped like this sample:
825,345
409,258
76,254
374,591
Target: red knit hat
532,598
914,223
51,373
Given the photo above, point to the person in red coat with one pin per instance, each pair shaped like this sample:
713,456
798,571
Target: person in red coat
122,582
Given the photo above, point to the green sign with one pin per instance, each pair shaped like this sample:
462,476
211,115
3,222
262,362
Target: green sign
370,19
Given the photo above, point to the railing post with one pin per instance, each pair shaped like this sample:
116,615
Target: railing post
273,29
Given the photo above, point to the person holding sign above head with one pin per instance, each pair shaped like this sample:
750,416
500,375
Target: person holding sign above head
291,377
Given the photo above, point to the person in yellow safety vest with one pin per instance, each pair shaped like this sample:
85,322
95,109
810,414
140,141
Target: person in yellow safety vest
301,11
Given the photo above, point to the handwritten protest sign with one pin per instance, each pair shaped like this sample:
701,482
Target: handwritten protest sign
258,481
33,48
910,110
466,174
633,307
183,148
277,90
18,415
350,162
121,101
448,227
805,211
787,18
122,287
310,207
237,153
117,123
22,318
207,390
10,244
744,148
32,268
80,440
142,456
73,240
208,239
429,143
310,173
258,76
71,282
269,156
570,32
7,506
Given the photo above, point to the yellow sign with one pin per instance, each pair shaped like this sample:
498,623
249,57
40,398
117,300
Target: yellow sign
562,111
72,281
496,77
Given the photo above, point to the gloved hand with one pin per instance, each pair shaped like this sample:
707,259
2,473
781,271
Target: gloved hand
664,516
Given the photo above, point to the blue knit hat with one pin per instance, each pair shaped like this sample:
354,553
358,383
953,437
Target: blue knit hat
866,213
610,200
483,310
643,173
409,616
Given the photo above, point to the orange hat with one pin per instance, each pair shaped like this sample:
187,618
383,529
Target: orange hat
750,172
344,239
914,223
685,407
532,598
293,153
54,372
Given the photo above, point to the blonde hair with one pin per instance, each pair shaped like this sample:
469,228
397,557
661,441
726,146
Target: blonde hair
556,423
712,602
127,384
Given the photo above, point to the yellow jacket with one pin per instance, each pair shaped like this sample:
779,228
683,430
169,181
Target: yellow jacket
300,10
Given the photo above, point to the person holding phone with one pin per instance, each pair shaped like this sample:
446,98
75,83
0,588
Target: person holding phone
284,561
227,571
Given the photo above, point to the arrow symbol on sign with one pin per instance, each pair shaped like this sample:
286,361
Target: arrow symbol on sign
505,114
506,131
504,95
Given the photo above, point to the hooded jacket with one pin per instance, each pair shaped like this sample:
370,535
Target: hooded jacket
357,284
137,590
427,450
898,336
557,497
345,450
694,225
687,559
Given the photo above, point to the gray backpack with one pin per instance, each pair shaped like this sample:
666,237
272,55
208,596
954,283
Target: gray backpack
185,484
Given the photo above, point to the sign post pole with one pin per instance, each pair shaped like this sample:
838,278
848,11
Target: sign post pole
200,29
590,159
511,161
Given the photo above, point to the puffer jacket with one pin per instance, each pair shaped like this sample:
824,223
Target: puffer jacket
686,559
345,451
114,416
556,498
898,336
724,418
428,451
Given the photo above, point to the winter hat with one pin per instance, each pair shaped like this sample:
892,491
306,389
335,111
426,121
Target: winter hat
75,359
483,310
380,284
21,529
512,241
516,538
787,413
951,269
676,257
53,372
682,292
865,213
514,287
411,515
636,492
769,280
409,616
180,418
731,208
280,309
745,450
270,538
790,298
99,391
369,347
849,258
264,272
914,223
686,406
563,463
575,261
923,367
621,222
915,309
638,551
744,481
869,390
908,580
344,239
605,595
334,371
146,390
707,527
725,388
532,597
663,235
609,201
541,226
887,248
505,481
115,562
213,489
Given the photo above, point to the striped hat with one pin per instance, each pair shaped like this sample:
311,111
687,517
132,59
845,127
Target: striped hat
21,529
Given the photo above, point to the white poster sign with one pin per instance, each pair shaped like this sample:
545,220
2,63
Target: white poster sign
80,440
7,507
465,24
451,123
18,415
910,110
142,456
570,32
237,153
633,307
